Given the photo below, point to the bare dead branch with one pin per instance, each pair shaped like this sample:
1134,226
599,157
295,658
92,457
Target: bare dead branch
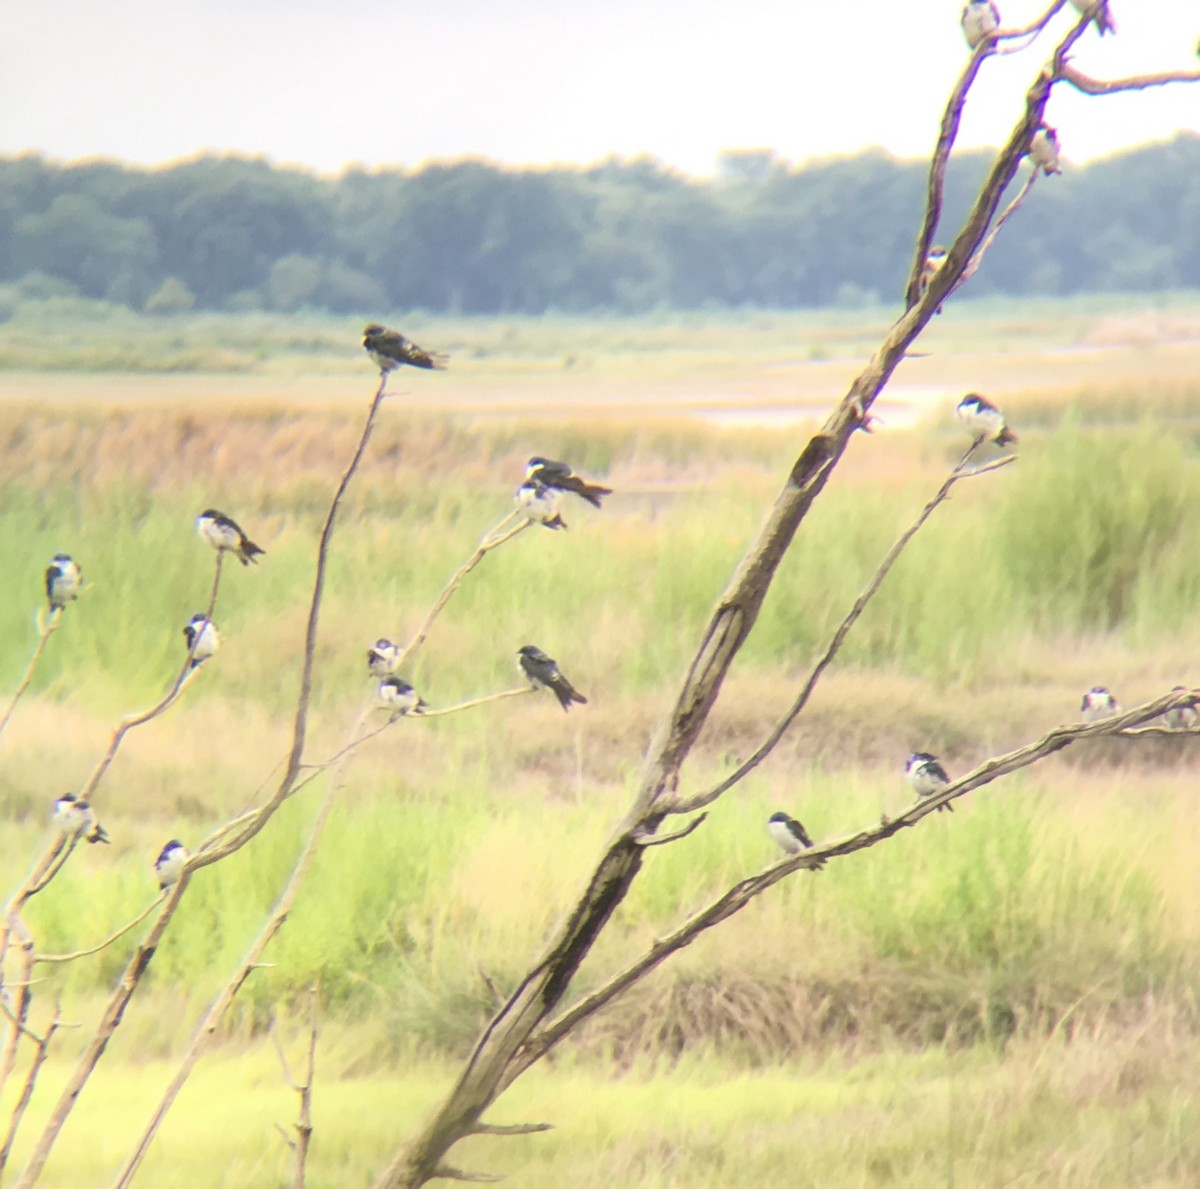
960,471
645,840
492,539
734,616
182,680
221,1005
138,964
41,1050
264,813
110,1020
470,705
137,920
1030,30
737,897
446,1173
1008,212
1136,82
936,186
303,1127
511,1128
46,628
968,239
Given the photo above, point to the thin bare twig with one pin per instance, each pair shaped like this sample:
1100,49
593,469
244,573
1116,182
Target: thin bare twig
1008,212
264,813
645,840
1035,28
473,702
137,920
511,1128
690,804
41,1050
936,186
46,629
447,1172
492,539
1135,82
303,1125
110,1020
221,1005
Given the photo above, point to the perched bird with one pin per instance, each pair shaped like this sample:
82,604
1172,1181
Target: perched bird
390,349
1104,21
64,580
540,503
169,864
790,834
1182,718
202,638
980,19
1043,150
223,533
934,261
382,657
1098,703
543,673
560,477
984,420
74,817
395,694
926,776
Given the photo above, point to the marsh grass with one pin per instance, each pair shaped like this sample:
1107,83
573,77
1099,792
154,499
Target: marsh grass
1052,920
1108,1108
81,336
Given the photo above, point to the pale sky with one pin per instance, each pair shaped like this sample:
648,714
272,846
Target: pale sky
392,82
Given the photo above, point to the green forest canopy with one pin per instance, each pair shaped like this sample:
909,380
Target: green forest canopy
470,237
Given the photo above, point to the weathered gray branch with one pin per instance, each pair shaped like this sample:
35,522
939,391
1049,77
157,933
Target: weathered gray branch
490,1067
492,539
737,897
1135,82
700,800
46,628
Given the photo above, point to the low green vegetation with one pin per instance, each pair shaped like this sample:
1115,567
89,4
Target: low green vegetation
1005,993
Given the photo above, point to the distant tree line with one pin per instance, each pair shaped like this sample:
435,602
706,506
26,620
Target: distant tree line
627,235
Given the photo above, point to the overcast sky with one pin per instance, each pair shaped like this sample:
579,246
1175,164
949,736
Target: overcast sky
391,82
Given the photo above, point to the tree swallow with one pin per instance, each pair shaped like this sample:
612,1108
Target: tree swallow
934,261
1182,718
63,581
223,533
984,420
74,817
395,694
1104,21
540,503
1098,703
790,834
1043,150
543,673
560,477
980,19
382,657
169,864
926,776
390,349
202,638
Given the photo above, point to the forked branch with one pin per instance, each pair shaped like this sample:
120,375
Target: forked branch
960,471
